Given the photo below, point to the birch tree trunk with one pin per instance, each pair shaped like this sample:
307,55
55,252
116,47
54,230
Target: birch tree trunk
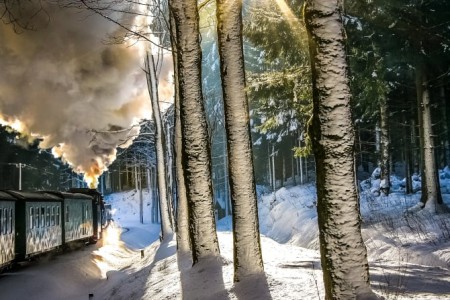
196,149
246,245
152,82
343,253
182,228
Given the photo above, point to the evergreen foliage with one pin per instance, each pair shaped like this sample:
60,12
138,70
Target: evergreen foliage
278,70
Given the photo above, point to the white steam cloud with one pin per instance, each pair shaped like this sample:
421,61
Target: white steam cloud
61,84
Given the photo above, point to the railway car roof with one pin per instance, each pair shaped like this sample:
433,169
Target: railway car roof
33,196
75,196
67,195
5,196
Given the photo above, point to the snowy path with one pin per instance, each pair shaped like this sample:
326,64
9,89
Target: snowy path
117,271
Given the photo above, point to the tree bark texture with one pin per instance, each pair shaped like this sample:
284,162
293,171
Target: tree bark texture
246,246
343,253
182,224
196,149
430,186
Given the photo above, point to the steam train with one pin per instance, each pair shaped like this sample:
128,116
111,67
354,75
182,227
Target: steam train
35,223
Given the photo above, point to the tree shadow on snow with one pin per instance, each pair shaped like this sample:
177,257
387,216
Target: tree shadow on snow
412,279
252,288
204,280
135,286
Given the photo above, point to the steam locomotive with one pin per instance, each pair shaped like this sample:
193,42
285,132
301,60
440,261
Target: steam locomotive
35,223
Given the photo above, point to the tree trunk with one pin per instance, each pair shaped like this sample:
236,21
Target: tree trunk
196,149
431,194
152,83
293,164
141,202
407,155
274,178
343,253
385,144
182,228
136,185
169,171
225,179
247,247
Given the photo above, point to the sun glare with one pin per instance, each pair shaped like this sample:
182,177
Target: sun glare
111,236
290,17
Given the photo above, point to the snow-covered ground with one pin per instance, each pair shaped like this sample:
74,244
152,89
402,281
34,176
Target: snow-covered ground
409,256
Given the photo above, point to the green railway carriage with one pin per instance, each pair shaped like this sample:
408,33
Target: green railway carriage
7,229
78,217
98,209
38,223
34,223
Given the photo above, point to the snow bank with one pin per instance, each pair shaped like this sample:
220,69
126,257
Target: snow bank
290,216
390,232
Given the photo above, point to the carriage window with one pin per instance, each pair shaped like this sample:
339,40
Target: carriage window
52,219
42,216
67,213
83,215
10,220
2,221
4,229
5,225
31,217
6,221
36,217
47,219
57,215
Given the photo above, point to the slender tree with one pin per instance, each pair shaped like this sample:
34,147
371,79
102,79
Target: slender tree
182,223
246,246
431,194
196,149
152,82
385,151
343,253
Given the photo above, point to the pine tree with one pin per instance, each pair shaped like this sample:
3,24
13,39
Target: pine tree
413,37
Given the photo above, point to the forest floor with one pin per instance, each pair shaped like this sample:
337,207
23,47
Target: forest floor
409,256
